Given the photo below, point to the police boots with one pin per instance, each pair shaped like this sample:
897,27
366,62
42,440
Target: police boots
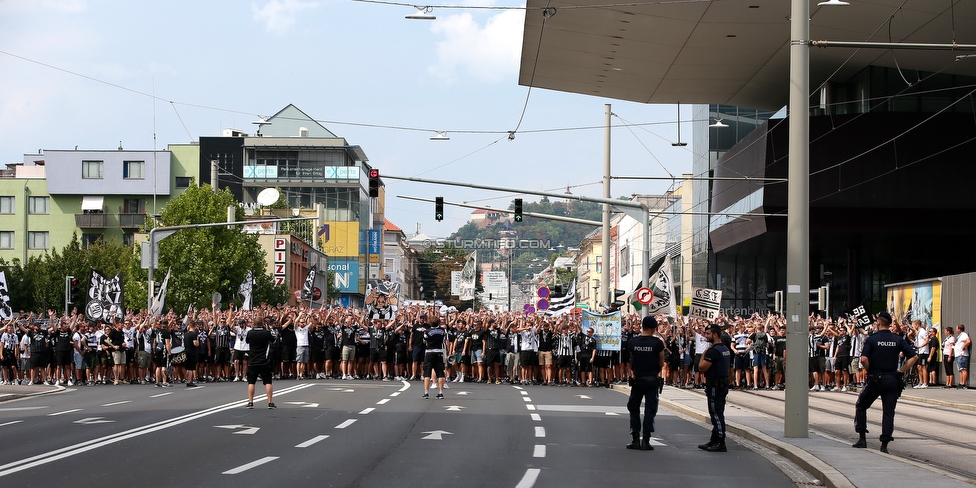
646,442
861,442
635,443
718,446
708,444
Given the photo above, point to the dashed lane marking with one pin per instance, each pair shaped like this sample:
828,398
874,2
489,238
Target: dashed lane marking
529,406
383,401
117,403
55,414
253,464
313,440
539,451
366,411
345,424
536,417
540,431
528,480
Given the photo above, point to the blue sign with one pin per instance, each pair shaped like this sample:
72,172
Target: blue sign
374,242
346,274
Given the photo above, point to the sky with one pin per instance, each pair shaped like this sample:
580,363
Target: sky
85,73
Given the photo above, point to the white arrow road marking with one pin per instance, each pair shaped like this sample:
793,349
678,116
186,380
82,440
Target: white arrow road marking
93,420
304,404
313,440
116,403
11,423
657,441
454,408
584,397
345,424
435,435
529,479
253,464
55,414
247,430
539,451
540,431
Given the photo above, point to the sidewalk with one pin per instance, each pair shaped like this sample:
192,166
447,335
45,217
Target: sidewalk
834,463
13,392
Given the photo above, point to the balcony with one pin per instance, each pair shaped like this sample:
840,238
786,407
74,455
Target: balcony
91,220
132,221
104,221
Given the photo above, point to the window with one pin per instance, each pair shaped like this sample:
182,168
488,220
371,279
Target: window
91,169
133,170
37,240
388,264
89,239
40,205
182,181
128,239
6,239
7,205
624,261
132,206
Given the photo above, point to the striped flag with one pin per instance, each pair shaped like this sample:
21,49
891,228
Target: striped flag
564,304
309,283
6,311
159,302
246,291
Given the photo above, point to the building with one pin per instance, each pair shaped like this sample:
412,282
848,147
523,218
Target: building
482,218
400,261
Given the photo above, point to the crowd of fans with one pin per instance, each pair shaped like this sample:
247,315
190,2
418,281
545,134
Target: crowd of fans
485,347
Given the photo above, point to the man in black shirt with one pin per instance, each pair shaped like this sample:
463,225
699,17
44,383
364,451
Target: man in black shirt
192,343
259,340
714,365
646,358
435,340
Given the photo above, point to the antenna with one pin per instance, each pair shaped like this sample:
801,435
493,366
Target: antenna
268,197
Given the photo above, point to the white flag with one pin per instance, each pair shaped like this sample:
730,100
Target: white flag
562,305
468,274
663,288
246,291
159,302
6,311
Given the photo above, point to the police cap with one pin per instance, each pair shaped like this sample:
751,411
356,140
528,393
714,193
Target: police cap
648,323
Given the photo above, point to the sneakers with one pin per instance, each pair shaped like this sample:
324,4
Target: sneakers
843,389
440,396
159,385
426,396
192,385
249,406
272,406
815,388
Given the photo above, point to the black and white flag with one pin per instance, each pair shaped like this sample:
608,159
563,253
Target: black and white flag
662,287
309,283
564,304
246,291
6,311
105,298
159,301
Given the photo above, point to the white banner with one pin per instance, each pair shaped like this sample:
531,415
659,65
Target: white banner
246,291
159,301
468,274
6,311
105,298
705,303
455,283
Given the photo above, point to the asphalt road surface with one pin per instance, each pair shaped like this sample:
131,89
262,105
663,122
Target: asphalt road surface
354,433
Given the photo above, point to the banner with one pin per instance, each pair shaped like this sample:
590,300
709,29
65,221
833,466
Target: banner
916,301
606,330
860,316
456,283
467,282
309,283
159,301
105,298
382,298
246,291
705,303
663,287
564,304
6,311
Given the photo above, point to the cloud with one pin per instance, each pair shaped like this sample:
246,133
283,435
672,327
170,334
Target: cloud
490,53
279,15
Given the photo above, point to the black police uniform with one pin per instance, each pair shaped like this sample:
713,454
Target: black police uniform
645,362
716,390
882,350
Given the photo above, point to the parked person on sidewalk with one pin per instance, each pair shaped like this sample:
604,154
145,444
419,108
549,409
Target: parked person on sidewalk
962,350
934,356
714,364
879,357
646,359
921,338
948,346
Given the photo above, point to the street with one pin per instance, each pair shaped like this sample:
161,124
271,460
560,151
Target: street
354,433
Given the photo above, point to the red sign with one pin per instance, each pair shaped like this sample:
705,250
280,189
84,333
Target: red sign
316,293
543,292
644,295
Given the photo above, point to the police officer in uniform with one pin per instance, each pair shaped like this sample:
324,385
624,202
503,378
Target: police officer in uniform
714,364
879,356
646,358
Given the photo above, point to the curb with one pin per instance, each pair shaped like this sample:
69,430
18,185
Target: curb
9,397
940,403
827,475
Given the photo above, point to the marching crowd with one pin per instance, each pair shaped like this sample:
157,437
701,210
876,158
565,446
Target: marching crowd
493,347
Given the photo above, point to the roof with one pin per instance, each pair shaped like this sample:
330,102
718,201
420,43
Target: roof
732,52
389,226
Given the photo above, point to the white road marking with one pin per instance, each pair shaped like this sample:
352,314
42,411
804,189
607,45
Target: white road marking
614,414
161,394
600,409
464,393
454,408
435,435
540,431
536,417
15,409
406,385
517,387
55,414
253,464
93,420
526,399
529,406
529,479
247,429
303,404
11,423
366,411
345,424
584,397
396,393
313,440
539,451
524,392
117,403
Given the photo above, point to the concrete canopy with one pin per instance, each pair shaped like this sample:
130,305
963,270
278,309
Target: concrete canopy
733,52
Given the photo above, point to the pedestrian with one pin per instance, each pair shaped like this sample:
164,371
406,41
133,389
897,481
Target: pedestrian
879,357
258,363
961,350
646,359
714,364
434,343
948,344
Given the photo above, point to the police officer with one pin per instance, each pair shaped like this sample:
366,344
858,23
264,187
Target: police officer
714,364
879,356
646,358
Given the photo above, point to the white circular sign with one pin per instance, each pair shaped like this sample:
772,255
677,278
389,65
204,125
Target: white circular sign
644,295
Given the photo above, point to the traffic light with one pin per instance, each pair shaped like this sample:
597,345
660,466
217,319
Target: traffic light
616,302
822,298
374,183
778,301
73,292
439,208
518,209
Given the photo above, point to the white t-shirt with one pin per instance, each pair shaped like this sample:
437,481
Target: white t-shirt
948,345
301,335
922,341
960,342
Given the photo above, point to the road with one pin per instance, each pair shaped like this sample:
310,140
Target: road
354,433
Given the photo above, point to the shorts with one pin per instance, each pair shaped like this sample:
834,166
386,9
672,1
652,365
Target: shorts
564,361
348,353
78,358
759,361
418,353
301,354
843,363
818,365
962,362
602,362
362,351
528,359
222,356
316,355
143,359
829,364
779,365
159,359
191,362
332,353
584,364
922,360
624,355
855,365
38,360
63,358
289,354
492,356
434,362
741,362
545,358
118,357
377,355
947,365
476,356
202,357
696,362
462,358
91,360
263,371
240,355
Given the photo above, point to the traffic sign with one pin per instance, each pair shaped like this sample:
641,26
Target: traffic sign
316,293
528,308
543,292
644,295
542,304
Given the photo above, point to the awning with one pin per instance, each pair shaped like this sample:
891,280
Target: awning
92,203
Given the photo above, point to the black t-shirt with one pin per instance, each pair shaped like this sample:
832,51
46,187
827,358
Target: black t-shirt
476,340
316,340
779,346
62,340
645,355
188,338
843,344
882,349
434,338
348,336
547,340
417,334
288,339
720,357
258,341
